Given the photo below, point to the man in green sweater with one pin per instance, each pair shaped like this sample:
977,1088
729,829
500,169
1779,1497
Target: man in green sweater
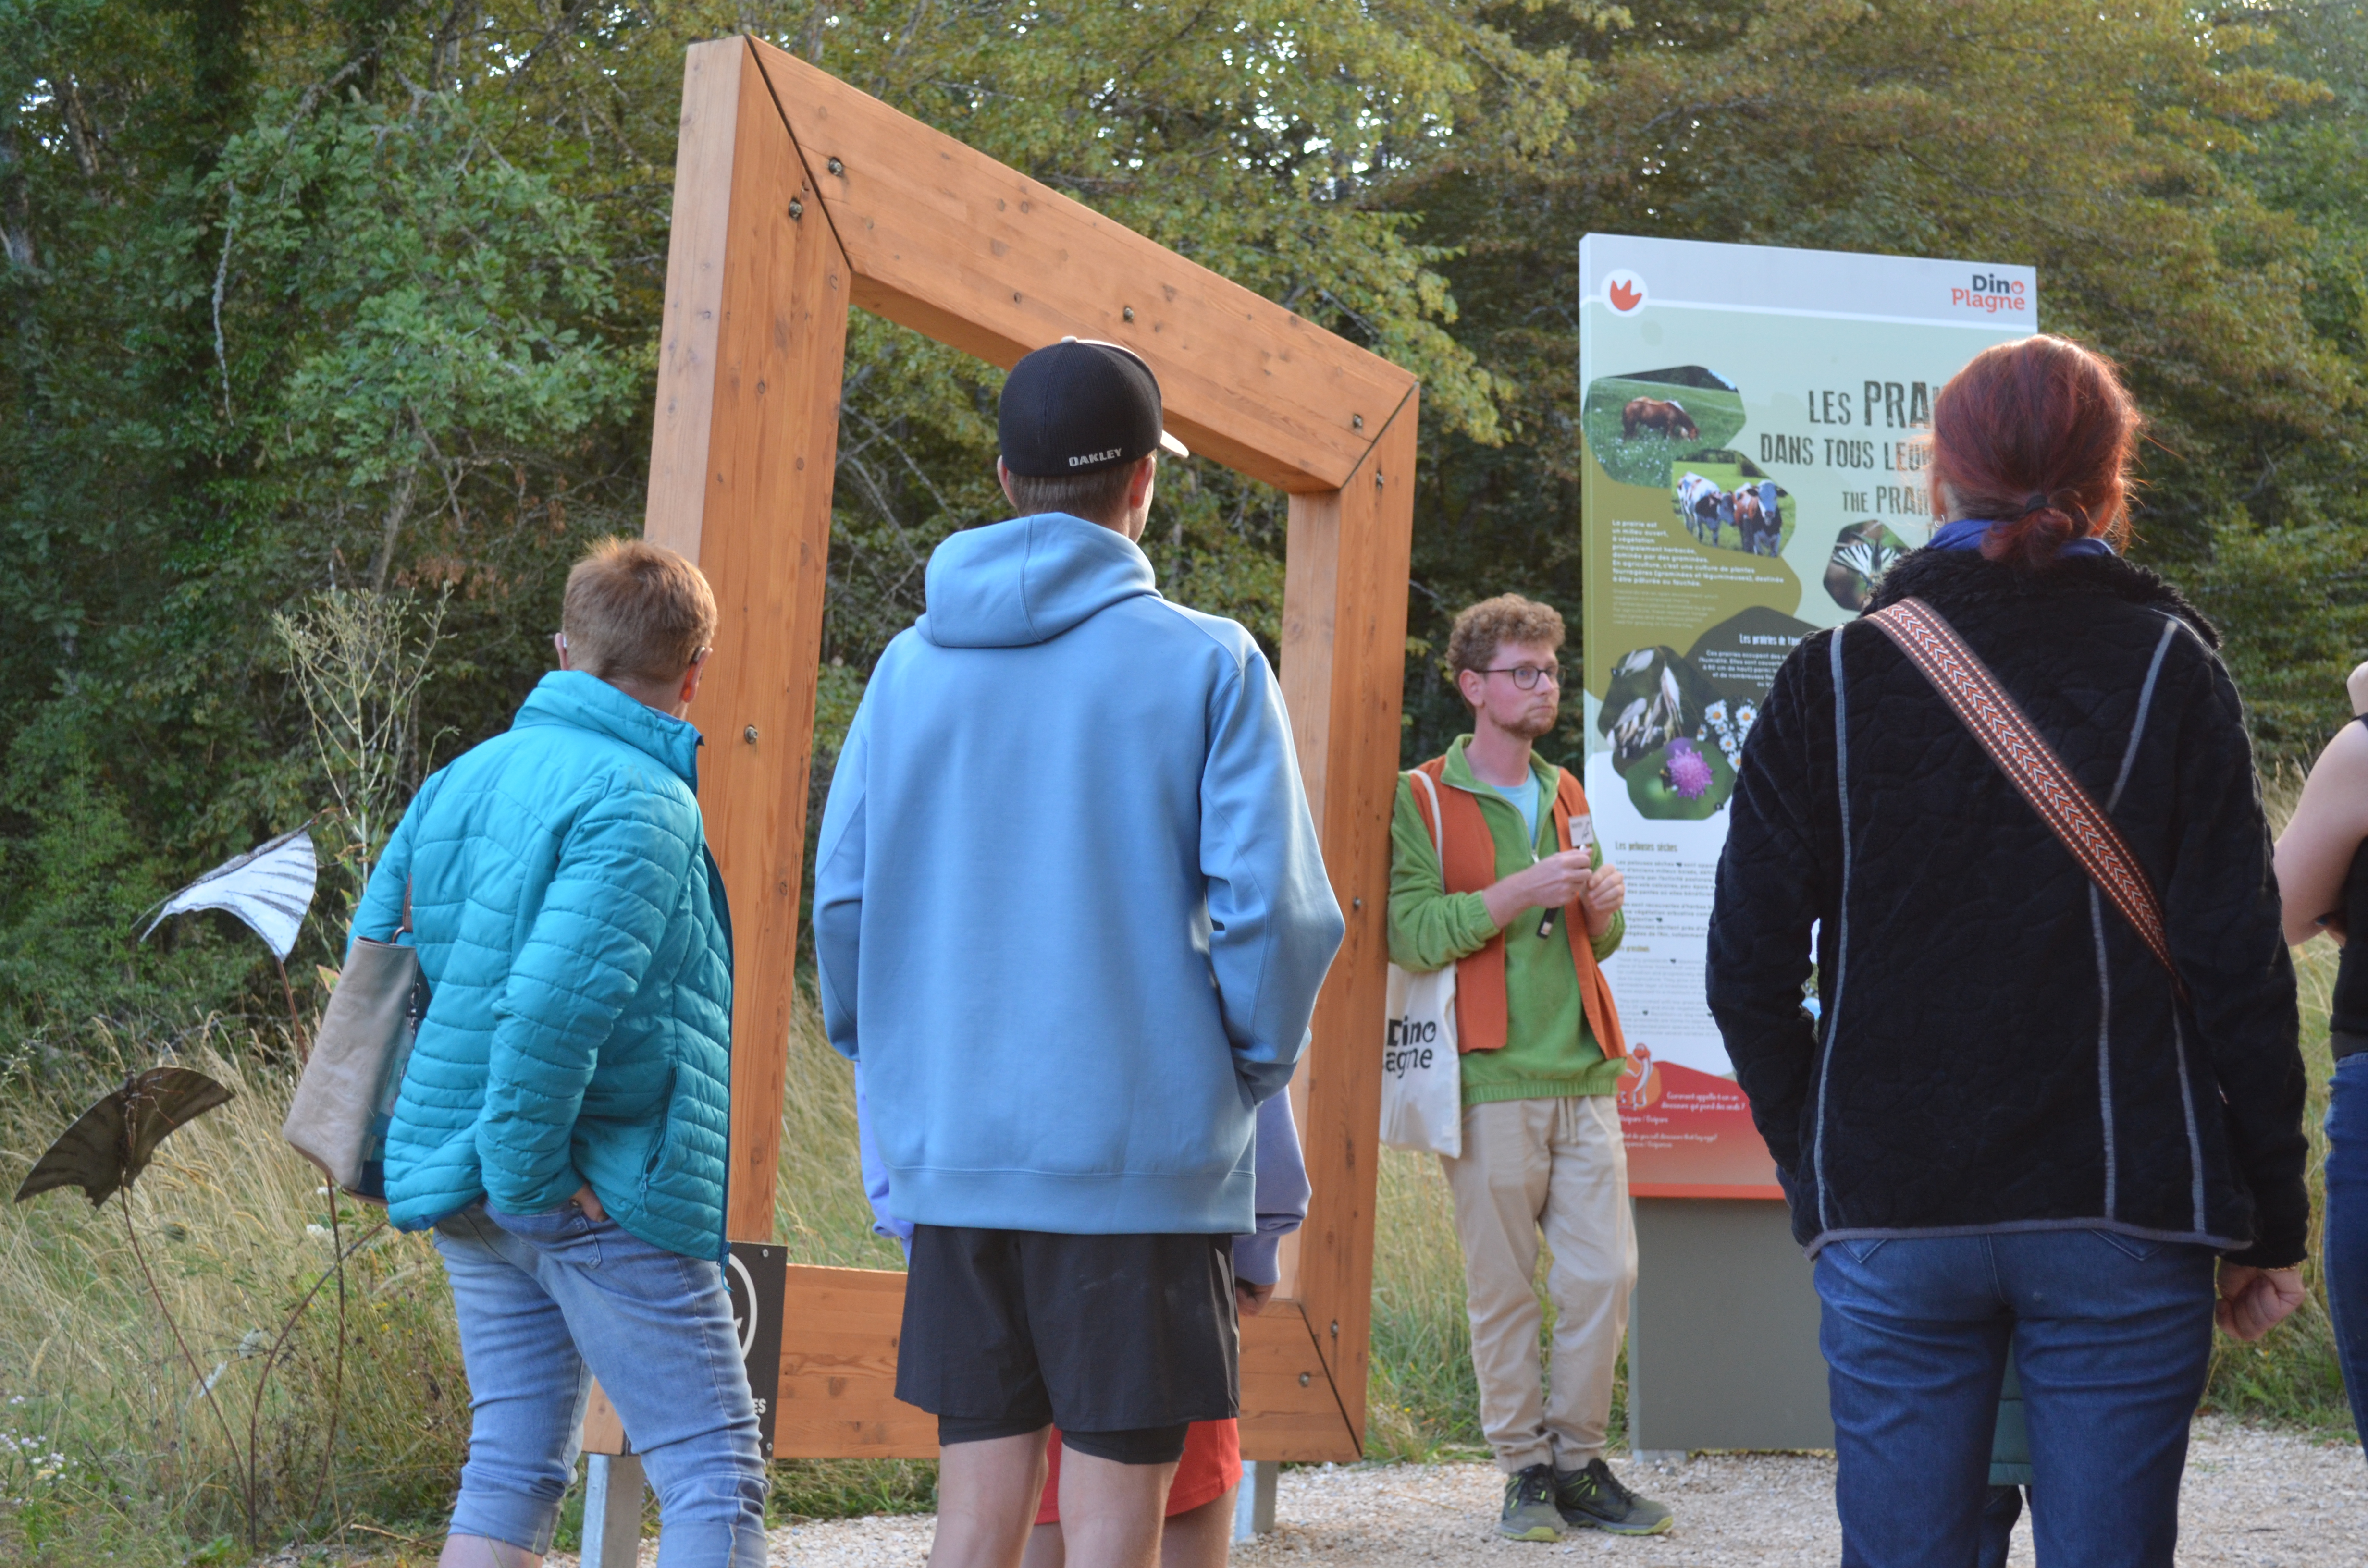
1523,905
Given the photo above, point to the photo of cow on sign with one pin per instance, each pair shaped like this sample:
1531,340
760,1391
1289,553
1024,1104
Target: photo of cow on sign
1726,501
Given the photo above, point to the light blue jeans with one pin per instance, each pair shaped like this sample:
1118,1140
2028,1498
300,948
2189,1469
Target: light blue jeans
546,1302
2112,1337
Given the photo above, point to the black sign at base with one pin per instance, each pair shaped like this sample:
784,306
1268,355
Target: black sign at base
756,1273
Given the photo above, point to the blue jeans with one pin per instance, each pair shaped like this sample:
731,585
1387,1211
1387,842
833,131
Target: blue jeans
546,1302
2112,1336
2347,1226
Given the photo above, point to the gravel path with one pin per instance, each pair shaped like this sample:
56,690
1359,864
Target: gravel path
2256,1498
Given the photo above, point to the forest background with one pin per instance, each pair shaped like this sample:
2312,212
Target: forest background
328,335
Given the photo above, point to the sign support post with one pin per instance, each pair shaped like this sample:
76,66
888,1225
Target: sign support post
1752,428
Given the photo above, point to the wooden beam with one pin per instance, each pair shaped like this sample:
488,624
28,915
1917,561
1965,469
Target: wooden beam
838,1377
741,465
1343,674
797,196
947,241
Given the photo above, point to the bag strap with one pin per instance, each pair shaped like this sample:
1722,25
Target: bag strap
419,802
1438,822
1994,721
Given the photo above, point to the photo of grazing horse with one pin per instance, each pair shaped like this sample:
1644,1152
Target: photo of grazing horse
1670,419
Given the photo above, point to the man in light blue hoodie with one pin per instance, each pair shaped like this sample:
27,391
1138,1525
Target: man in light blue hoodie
1071,918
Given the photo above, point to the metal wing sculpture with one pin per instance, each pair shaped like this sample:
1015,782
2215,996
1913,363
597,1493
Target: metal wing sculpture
112,1143
269,887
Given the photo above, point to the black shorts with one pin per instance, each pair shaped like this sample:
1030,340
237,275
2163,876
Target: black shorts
1011,1331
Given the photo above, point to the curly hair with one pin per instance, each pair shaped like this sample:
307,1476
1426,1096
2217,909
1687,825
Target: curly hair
1484,628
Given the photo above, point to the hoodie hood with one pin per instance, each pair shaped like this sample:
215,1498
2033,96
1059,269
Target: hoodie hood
1027,581
588,702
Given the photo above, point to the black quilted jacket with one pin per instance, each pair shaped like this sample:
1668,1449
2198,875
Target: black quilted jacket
1999,1049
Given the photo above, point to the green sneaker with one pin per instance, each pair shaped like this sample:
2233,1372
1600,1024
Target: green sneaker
1530,1512
1594,1499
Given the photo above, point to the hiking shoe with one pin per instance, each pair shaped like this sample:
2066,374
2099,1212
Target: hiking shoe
1529,1511
1594,1499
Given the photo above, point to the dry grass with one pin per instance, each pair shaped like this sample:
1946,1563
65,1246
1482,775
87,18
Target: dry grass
236,1228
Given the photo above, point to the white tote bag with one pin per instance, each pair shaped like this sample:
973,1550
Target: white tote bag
1422,1084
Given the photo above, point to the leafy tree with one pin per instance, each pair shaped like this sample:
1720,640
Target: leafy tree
2118,153
365,296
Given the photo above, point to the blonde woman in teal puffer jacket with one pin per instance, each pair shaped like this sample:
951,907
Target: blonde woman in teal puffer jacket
562,1121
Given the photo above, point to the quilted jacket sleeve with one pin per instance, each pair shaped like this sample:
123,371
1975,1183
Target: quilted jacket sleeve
622,870
1772,883
379,915
1273,923
2221,907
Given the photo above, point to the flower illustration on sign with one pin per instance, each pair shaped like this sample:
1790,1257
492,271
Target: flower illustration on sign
1624,293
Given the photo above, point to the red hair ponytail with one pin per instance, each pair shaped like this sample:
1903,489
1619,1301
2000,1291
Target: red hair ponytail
2036,436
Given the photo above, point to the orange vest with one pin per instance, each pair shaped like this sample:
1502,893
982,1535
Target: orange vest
1468,864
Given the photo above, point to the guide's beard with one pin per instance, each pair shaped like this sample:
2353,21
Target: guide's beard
1535,723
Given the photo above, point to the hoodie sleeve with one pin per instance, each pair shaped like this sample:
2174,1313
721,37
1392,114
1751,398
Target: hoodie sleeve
620,871
1282,1194
839,887
875,1173
1273,923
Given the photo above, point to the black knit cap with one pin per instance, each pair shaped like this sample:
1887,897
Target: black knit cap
1080,406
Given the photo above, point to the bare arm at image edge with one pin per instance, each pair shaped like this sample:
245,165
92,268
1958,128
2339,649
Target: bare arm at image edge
2315,852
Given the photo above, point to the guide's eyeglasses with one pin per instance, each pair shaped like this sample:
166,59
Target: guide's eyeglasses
1526,677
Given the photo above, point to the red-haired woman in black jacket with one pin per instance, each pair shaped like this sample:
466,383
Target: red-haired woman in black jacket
2011,1124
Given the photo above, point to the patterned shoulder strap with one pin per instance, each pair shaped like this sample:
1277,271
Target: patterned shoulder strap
1992,716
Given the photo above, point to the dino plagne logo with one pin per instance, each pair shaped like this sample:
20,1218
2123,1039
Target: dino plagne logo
1623,291
1991,294
1642,1083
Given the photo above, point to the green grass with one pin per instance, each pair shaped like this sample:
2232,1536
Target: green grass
1646,460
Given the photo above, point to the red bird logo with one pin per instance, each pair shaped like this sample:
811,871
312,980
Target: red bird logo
1625,295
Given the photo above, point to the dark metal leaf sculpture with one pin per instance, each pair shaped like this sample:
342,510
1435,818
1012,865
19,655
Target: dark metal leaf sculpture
111,1143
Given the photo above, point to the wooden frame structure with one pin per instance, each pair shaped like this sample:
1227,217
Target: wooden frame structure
797,197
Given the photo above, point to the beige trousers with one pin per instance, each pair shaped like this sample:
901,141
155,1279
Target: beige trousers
1559,1165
